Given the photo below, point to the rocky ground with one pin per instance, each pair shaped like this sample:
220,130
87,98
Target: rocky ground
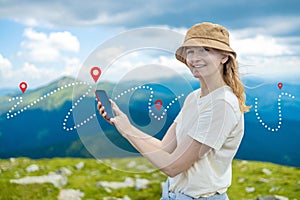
130,179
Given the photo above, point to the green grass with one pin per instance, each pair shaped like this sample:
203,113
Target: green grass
284,181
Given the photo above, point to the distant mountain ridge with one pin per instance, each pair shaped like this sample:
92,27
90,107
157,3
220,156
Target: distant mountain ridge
7,91
38,132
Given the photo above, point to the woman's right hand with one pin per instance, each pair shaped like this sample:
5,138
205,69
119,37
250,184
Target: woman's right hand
120,121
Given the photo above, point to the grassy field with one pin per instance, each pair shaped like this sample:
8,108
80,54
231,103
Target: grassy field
250,179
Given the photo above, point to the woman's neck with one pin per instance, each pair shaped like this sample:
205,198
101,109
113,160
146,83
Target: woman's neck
210,84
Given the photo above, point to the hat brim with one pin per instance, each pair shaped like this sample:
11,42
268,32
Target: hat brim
194,42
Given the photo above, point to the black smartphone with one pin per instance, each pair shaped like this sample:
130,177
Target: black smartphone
103,98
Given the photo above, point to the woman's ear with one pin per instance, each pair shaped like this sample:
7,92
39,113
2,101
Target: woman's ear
224,59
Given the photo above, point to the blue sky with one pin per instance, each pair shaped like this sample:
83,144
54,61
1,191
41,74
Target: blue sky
43,40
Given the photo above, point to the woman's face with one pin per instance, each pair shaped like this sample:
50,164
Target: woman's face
204,62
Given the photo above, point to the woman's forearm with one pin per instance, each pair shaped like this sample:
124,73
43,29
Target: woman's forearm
150,147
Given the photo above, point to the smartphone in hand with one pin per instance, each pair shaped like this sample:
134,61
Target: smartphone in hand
103,98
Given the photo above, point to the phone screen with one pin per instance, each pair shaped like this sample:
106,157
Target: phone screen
103,98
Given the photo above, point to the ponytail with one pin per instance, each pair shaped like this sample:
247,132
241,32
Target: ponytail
231,78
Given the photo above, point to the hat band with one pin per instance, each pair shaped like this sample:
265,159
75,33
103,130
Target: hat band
208,39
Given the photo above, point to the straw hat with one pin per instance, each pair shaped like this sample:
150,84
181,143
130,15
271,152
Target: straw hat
206,35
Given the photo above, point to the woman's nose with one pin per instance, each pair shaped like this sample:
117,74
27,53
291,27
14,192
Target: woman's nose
195,58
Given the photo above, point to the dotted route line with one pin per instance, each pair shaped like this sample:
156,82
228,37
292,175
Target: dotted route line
279,113
71,110
150,100
11,114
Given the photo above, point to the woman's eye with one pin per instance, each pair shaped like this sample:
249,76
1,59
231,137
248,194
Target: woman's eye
206,49
189,51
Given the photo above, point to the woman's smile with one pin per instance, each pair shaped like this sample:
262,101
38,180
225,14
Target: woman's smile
199,66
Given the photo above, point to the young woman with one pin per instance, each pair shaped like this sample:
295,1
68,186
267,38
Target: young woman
197,151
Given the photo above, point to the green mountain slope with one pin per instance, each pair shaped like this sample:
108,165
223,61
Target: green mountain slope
91,178
51,96
33,127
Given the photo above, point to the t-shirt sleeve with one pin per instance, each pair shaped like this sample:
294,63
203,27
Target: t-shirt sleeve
188,100
214,124
178,117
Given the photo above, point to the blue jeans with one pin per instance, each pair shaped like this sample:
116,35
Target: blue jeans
166,195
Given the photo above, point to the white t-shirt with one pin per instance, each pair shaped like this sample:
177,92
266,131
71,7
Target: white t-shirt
214,120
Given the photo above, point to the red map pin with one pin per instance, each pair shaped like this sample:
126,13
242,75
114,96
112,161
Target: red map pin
158,104
95,73
280,85
23,86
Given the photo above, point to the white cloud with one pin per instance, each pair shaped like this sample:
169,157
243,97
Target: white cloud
108,18
11,76
274,67
265,55
33,35
72,66
180,30
45,57
31,71
269,25
4,63
277,24
80,13
30,21
154,60
5,67
64,41
259,45
40,47
173,63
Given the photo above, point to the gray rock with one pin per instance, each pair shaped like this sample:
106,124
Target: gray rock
141,183
64,171
32,168
80,165
12,160
129,182
264,180
275,197
70,194
241,180
115,198
266,171
56,179
250,189
131,164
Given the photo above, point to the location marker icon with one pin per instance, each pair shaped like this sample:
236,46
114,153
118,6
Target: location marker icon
158,104
23,86
95,73
280,85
